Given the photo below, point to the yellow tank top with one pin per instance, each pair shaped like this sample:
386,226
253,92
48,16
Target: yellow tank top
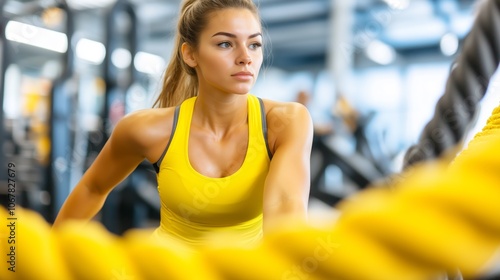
193,205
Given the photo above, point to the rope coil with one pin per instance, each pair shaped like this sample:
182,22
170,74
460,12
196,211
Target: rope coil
437,221
434,222
430,223
465,87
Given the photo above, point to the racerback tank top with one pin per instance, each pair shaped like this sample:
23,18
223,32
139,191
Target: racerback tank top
193,206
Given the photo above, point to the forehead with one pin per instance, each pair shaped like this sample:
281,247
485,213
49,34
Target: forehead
233,20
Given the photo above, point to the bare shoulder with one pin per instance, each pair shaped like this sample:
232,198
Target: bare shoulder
285,120
146,129
285,109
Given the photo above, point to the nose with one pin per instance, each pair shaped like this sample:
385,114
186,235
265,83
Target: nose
244,57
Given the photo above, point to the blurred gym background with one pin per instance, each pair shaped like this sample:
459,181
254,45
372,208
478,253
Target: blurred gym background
370,72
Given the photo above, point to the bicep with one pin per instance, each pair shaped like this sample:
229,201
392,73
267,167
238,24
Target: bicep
288,180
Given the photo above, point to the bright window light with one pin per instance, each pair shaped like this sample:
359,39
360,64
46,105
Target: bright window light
90,51
89,4
381,53
398,4
149,63
449,44
121,58
36,36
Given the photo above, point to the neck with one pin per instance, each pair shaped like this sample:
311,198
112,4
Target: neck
220,114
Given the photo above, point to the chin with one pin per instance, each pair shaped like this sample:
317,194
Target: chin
240,91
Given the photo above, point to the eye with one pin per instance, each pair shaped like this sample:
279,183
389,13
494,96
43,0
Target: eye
255,46
224,45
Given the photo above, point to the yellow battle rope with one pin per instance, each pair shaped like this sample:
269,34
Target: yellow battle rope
440,218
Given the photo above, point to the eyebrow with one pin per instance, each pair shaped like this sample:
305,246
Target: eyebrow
234,36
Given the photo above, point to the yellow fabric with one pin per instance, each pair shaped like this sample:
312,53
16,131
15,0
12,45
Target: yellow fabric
194,206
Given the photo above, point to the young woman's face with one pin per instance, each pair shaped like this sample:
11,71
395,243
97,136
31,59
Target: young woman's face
229,55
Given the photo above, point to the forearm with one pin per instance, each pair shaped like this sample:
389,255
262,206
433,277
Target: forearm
82,204
282,214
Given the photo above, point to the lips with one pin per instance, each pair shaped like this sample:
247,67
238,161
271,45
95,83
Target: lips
243,74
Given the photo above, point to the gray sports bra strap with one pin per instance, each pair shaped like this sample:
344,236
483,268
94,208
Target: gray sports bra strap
264,127
157,164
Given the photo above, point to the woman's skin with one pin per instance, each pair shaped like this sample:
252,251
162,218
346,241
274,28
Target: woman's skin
227,61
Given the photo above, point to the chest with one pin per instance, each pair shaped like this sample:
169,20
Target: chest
218,157
211,179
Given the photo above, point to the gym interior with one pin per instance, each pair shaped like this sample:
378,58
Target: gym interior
372,73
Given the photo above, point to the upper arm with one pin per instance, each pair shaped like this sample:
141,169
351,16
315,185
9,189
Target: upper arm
121,154
288,181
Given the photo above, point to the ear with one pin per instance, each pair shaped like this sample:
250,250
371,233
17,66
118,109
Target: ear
188,55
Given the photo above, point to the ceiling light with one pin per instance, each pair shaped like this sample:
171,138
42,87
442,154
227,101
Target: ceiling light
89,4
149,63
449,44
36,36
398,4
380,53
121,58
90,51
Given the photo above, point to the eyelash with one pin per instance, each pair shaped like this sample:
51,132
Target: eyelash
223,43
256,45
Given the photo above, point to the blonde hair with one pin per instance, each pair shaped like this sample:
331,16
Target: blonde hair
180,81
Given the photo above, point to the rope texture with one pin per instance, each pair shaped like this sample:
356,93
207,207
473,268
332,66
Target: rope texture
440,218
465,87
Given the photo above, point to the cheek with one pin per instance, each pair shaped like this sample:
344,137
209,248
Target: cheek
258,57
258,63
212,65
218,62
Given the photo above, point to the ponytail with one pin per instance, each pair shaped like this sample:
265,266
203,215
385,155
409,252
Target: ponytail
179,82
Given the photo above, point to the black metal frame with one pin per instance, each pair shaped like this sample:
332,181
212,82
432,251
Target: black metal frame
124,207
4,63
58,179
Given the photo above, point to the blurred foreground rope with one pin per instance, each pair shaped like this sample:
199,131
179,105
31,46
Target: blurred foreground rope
441,218
465,87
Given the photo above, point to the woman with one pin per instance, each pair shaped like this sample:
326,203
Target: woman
227,162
